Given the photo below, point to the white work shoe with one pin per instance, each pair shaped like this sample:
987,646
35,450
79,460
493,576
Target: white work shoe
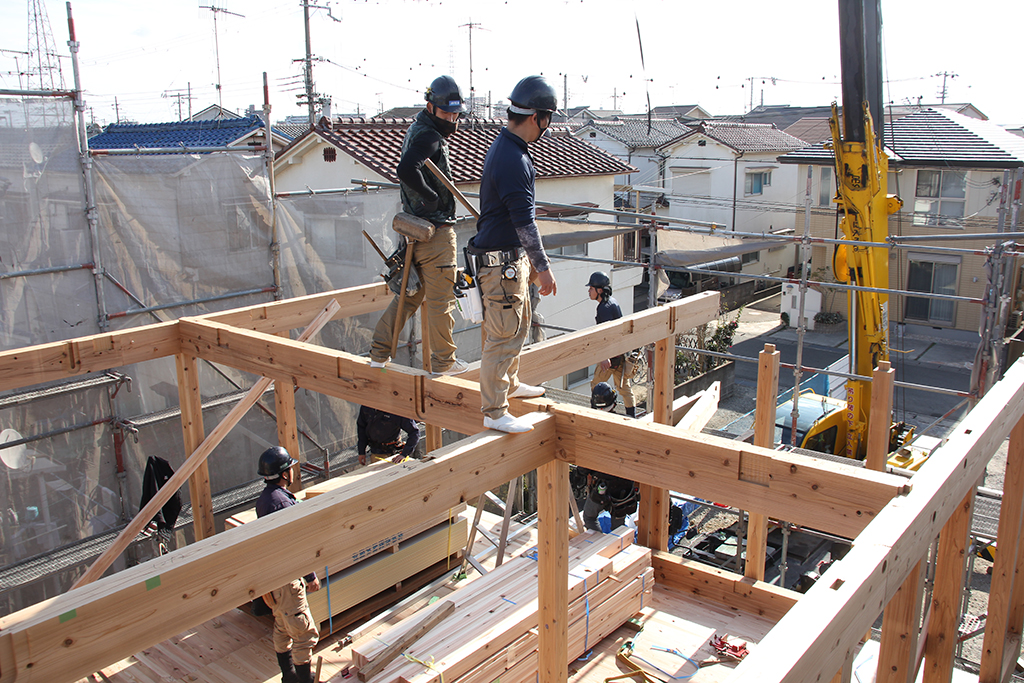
379,363
509,424
527,391
457,368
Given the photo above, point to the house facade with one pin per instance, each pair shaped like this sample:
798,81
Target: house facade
951,171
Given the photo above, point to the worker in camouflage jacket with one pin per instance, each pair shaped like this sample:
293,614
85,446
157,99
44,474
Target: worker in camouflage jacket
425,196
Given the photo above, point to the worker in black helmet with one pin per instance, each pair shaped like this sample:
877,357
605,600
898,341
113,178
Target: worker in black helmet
507,246
425,196
619,367
380,431
295,632
606,492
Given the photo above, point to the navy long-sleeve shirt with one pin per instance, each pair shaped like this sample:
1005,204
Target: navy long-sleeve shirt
608,310
272,499
377,427
507,210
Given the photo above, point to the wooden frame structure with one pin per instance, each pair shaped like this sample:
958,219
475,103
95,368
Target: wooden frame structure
892,521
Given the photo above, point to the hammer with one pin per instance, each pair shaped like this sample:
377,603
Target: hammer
414,229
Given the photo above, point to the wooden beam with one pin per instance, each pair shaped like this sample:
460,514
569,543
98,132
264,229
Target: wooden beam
62,360
570,352
190,465
652,520
823,495
84,630
700,412
1005,584
291,314
944,620
553,568
881,416
901,623
722,587
287,425
190,401
809,642
764,436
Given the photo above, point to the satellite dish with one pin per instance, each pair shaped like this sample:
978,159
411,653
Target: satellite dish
15,457
36,152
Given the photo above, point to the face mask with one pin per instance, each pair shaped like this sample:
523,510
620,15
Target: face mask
446,128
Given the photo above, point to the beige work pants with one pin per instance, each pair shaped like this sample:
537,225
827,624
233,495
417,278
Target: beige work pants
436,261
506,325
293,623
621,376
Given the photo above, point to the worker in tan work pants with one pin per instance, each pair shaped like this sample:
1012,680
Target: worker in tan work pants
294,629
506,325
435,263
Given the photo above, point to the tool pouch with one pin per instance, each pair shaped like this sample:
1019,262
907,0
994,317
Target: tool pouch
396,264
467,292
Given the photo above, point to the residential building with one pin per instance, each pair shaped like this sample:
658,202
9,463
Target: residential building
227,132
949,169
635,141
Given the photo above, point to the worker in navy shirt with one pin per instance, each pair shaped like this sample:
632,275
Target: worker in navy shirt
295,632
380,431
620,367
506,245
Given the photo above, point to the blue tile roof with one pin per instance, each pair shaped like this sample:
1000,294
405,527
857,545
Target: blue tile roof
191,134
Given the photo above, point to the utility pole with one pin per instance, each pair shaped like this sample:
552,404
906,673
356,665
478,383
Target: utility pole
216,46
117,111
179,95
615,98
311,97
943,92
472,90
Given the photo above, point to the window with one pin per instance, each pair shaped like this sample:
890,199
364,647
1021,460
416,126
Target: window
754,183
571,250
825,189
330,154
928,274
939,198
247,234
336,240
751,257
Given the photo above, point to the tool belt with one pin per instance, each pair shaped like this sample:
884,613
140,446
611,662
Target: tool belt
390,448
490,258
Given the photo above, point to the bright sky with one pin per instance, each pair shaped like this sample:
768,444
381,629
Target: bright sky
378,54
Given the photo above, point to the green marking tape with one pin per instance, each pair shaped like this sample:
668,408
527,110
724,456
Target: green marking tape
152,583
67,615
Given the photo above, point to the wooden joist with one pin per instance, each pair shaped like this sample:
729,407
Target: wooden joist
811,640
823,495
84,630
291,314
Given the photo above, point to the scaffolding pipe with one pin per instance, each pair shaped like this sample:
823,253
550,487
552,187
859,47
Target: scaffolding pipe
90,195
138,151
268,156
805,265
219,297
62,94
46,271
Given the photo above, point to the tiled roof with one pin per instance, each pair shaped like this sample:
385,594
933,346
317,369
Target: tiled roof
400,112
378,146
291,130
214,133
674,110
936,137
811,129
744,137
633,132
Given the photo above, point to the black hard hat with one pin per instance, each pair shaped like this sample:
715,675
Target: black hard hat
531,94
274,461
603,396
599,280
444,93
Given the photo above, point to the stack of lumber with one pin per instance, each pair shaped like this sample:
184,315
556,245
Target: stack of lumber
492,630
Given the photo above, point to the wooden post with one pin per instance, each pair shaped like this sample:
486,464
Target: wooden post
553,566
652,517
881,416
190,401
287,425
998,629
901,621
433,431
944,619
193,462
764,435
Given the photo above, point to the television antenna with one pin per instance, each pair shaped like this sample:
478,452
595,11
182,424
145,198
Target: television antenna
14,457
216,47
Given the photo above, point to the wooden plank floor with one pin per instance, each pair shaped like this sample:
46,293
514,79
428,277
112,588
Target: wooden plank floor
237,647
